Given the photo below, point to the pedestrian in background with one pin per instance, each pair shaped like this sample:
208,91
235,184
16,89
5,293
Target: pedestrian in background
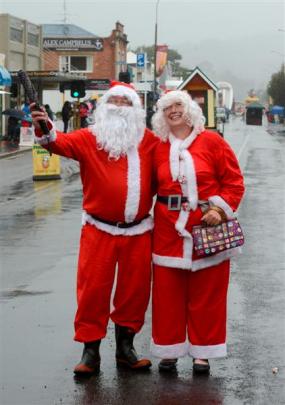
190,294
66,114
13,129
115,157
83,114
49,112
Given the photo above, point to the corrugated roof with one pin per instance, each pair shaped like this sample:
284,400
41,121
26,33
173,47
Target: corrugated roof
65,30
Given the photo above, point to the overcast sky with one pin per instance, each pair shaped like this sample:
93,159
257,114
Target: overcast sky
242,37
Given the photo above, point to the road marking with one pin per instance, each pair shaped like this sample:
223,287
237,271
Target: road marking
243,145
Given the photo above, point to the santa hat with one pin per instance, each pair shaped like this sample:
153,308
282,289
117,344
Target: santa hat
124,90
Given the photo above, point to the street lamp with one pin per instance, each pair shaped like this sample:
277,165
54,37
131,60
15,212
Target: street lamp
155,46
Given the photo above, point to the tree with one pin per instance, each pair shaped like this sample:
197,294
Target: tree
173,56
276,87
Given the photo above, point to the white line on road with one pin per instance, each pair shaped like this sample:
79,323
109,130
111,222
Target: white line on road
243,145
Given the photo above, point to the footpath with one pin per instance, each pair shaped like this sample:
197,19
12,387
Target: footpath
8,148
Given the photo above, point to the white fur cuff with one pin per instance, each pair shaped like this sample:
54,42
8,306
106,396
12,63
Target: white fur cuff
169,351
221,203
208,352
46,139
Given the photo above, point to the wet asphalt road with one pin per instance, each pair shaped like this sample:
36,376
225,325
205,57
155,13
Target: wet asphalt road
40,228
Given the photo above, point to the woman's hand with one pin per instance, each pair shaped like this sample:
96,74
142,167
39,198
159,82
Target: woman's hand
214,216
38,116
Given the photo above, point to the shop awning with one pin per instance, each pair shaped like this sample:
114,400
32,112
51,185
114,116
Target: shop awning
5,77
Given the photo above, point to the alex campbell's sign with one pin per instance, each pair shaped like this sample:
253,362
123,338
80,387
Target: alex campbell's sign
73,44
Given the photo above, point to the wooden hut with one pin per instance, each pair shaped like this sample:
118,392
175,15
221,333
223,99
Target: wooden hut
204,91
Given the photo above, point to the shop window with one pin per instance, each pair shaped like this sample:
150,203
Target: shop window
16,35
76,63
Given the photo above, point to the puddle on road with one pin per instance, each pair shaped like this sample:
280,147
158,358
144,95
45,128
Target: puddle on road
21,293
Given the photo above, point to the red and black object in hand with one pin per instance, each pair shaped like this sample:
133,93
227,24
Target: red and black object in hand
42,123
32,97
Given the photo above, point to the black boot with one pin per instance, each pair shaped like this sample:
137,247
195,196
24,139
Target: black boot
126,354
90,360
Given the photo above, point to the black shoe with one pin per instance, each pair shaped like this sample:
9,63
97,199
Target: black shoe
201,368
126,355
90,360
167,365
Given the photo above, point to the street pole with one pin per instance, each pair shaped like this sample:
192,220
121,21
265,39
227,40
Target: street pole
145,81
155,46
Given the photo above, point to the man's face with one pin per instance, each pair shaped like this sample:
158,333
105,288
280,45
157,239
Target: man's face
119,101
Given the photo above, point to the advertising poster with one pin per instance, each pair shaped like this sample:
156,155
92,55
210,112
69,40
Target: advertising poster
45,166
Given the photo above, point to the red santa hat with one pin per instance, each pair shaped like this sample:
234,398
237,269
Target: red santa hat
124,90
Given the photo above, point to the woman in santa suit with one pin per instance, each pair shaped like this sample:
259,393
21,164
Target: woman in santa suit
199,179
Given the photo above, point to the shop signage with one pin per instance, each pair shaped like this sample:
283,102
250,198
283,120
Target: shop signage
73,44
97,84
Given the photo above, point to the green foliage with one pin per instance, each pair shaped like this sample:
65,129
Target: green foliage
173,56
276,87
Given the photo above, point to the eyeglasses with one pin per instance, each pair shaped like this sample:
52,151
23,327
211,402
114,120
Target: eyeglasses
119,101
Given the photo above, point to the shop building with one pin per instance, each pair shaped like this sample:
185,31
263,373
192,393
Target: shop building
69,48
21,42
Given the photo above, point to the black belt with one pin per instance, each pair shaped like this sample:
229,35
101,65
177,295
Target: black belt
173,201
120,224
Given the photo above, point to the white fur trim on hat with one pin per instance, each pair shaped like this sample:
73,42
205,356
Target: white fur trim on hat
122,91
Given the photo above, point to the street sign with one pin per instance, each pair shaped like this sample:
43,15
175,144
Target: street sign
140,60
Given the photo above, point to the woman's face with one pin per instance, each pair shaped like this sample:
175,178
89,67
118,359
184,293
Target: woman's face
174,115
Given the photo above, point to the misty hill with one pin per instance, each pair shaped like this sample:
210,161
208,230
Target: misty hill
245,62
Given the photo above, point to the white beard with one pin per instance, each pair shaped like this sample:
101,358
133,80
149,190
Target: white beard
117,129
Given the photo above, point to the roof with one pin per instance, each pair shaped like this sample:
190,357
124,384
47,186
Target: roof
65,30
198,71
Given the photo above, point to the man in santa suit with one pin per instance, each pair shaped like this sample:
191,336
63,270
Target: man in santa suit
115,157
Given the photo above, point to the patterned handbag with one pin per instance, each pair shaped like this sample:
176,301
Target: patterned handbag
210,240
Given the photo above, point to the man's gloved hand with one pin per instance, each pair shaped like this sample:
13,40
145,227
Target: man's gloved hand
39,116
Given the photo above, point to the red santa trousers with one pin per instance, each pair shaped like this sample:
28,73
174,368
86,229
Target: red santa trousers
193,304
99,254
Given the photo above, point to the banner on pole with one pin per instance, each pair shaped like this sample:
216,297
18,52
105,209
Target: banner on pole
161,58
45,167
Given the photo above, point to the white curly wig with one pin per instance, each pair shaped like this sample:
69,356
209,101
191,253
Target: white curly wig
192,112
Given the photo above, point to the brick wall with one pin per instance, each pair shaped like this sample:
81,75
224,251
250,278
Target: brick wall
104,62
